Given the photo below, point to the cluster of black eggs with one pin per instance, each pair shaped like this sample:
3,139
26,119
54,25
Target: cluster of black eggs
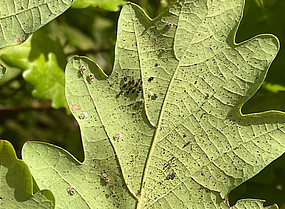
131,86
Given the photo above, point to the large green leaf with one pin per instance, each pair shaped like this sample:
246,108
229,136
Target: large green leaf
182,141
16,183
20,18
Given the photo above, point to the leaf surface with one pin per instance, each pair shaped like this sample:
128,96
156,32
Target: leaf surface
168,119
43,61
16,187
20,18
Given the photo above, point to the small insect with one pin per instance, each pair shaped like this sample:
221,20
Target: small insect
155,96
150,79
131,88
141,82
171,176
134,90
83,115
70,190
82,69
127,92
137,83
132,81
125,85
169,25
140,88
121,92
105,178
90,77
141,101
125,78
118,136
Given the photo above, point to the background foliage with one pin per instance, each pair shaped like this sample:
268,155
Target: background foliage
31,97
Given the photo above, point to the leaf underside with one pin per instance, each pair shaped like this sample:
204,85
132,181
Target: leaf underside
166,127
20,18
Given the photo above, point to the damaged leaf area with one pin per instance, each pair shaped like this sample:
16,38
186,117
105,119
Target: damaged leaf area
165,129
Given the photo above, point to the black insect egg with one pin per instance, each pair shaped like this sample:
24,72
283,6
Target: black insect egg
132,86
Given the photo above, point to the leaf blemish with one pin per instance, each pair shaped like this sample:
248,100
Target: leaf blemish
90,78
74,107
171,176
82,70
105,177
70,190
118,136
169,25
83,115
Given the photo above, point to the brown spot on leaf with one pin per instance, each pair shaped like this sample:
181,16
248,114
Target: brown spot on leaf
74,106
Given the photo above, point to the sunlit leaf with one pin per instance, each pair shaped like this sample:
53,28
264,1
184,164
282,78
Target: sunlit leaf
166,125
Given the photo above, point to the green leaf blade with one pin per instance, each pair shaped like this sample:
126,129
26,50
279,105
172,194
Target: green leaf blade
16,183
26,17
189,145
43,61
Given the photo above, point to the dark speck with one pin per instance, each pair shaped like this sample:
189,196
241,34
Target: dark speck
169,25
150,79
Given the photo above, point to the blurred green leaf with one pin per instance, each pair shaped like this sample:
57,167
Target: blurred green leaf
19,19
16,183
47,79
42,61
111,5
